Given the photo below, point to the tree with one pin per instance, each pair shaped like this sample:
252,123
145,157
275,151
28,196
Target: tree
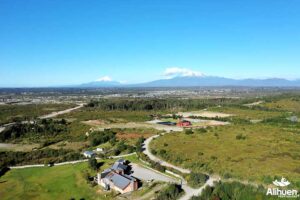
197,179
93,163
173,191
139,144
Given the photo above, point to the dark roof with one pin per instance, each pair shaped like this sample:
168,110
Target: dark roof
105,172
121,160
118,166
119,180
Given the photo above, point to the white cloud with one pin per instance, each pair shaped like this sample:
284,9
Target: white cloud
177,71
104,79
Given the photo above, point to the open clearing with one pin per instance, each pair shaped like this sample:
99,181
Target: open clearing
247,113
68,145
204,114
253,104
264,151
132,125
17,147
292,105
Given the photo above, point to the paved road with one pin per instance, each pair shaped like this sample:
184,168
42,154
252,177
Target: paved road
160,161
147,174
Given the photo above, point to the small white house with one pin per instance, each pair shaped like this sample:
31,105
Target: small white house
99,149
88,154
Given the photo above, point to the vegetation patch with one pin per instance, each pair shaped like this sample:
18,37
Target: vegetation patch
172,192
234,190
246,151
17,113
58,182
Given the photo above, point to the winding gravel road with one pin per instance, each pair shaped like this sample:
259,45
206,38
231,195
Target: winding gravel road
53,114
160,161
189,191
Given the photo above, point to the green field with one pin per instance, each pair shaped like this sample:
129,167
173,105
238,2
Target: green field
249,152
59,182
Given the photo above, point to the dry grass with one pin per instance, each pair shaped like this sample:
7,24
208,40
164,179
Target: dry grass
266,151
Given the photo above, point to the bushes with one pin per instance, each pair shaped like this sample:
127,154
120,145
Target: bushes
158,104
35,131
93,163
240,137
197,179
233,190
100,137
201,130
158,166
153,151
172,192
188,131
38,157
139,144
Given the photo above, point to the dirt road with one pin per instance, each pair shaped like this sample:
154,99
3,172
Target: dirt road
189,191
54,114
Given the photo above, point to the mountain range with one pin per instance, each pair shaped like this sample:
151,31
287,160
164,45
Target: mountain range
201,81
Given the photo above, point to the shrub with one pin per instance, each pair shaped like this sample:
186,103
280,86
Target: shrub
93,163
139,144
240,137
172,192
100,137
197,179
188,131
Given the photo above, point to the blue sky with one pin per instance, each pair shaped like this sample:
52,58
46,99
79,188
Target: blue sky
48,43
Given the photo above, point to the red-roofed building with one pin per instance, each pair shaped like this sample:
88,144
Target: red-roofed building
184,123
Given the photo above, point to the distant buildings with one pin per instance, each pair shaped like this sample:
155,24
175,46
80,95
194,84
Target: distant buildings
116,178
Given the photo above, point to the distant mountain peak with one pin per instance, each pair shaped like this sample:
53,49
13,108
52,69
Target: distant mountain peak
104,79
188,78
181,72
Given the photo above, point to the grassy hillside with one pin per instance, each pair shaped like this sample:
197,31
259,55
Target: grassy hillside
291,104
255,152
246,113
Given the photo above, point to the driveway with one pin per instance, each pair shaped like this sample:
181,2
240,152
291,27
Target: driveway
189,191
156,159
146,174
